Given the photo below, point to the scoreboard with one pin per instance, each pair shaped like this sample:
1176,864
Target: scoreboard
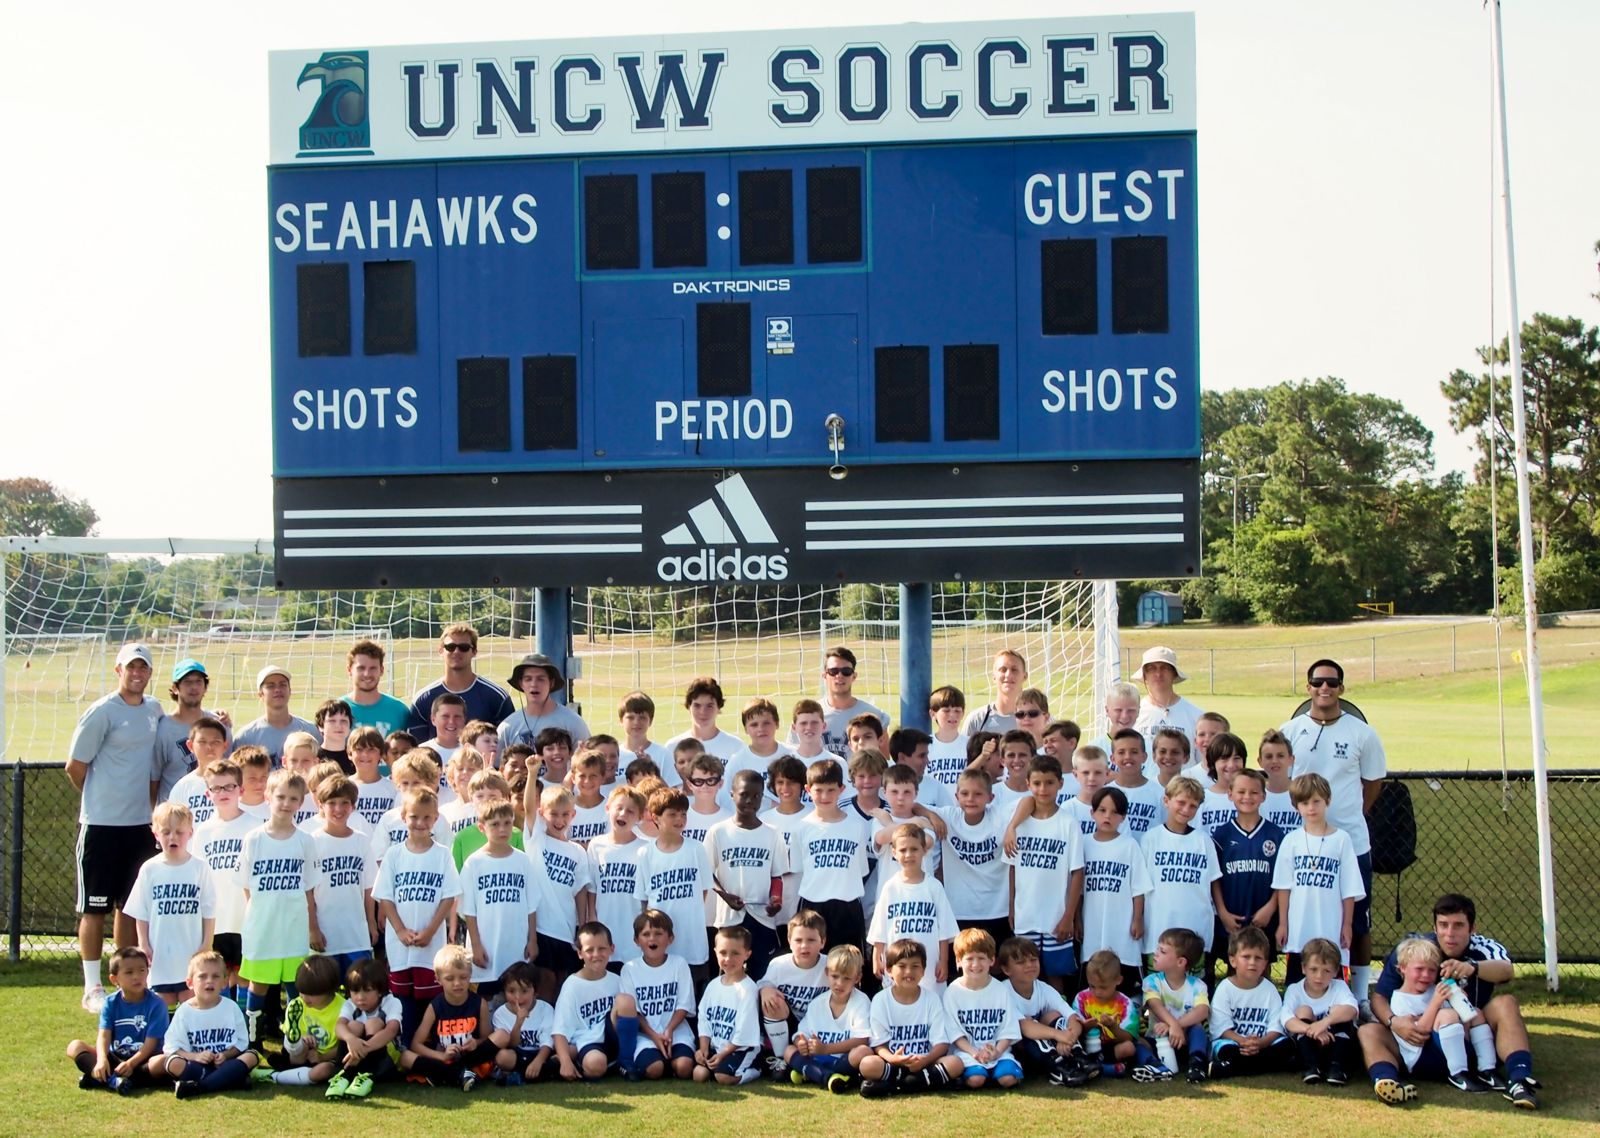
535,305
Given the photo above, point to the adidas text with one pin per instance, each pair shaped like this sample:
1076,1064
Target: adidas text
735,565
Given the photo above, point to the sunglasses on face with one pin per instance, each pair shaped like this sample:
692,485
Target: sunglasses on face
1029,714
458,647
840,671
1324,682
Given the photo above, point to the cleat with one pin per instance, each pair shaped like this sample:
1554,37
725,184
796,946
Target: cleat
469,1079
1394,1092
796,1077
1464,1082
839,1084
1520,1094
294,1022
1197,1070
94,1000
775,1068
1311,1075
1151,1073
338,1086
360,1086
1337,1076
875,1088
260,1074
87,1082
184,1088
514,1079
1494,1080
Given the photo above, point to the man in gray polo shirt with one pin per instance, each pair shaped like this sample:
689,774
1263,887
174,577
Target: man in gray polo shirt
115,764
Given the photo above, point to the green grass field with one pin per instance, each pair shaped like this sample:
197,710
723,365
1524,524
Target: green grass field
42,1096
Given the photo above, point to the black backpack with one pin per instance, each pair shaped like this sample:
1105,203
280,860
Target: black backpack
1392,825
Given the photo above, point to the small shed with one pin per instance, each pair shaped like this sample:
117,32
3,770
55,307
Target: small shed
1160,607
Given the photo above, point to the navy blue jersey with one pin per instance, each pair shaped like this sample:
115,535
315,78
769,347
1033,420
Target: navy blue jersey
1478,948
1246,861
485,701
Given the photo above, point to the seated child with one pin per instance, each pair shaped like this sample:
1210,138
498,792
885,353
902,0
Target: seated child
1177,1003
730,1015
452,1038
653,1005
981,1011
125,1052
1110,1022
1424,1004
833,1034
310,1029
794,980
369,1027
911,1035
585,1037
206,1048
1319,1015
1049,1043
522,1029
1245,1010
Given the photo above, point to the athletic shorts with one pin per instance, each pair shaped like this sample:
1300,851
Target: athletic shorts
681,1037
558,956
739,1064
167,990
1056,957
1431,1063
607,1047
650,1054
346,959
1361,922
999,1069
414,984
109,858
272,970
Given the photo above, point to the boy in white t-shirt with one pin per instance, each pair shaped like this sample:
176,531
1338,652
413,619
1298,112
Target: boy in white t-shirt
730,1017
808,728
912,905
1016,751
583,1032
1045,853
637,713
947,750
566,887
207,1045
1145,808
902,789
217,843
1115,882
760,719
589,819
172,902
833,1034
346,873
976,876
278,872
614,866
1320,1014
416,891
748,862
786,784
911,1034
1225,757
983,1014
499,901
208,742
795,980
375,794
908,747
522,1028
1276,759
1246,1036
709,801
1046,1047
675,875
830,852
1316,877
654,1004
1181,862
414,770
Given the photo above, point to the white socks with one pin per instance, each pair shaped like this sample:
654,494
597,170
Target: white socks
294,1077
1361,981
778,1032
1452,1041
91,974
1483,1046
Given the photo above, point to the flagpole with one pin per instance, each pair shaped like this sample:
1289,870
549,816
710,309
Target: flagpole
1530,601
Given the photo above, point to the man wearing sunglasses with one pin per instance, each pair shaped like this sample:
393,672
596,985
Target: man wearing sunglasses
839,706
1348,753
458,648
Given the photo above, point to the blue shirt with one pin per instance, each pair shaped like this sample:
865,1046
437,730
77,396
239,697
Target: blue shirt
484,701
1246,861
1478,948
131,1024
386,716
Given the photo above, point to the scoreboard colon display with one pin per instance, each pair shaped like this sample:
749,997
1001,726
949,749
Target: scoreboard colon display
890,303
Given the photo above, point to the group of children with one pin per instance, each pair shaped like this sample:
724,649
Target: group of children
558,917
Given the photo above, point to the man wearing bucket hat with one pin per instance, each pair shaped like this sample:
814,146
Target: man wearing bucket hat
113,762
1162,706
538,679
189,685
277,722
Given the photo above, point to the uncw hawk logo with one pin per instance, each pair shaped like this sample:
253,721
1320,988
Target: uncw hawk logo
339,120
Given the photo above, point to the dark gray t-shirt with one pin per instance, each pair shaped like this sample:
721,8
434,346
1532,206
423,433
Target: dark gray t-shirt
118,743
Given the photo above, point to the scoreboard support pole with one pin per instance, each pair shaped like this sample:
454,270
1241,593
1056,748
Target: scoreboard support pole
916,654
552,610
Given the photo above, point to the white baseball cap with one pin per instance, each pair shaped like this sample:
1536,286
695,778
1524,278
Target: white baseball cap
270,670
132,652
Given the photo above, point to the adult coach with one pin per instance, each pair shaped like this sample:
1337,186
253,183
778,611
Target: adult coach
458,648
276,722
1477,964
839,703
370,707
1162,707
115,764
189,686
1348,753
538,679
1010,675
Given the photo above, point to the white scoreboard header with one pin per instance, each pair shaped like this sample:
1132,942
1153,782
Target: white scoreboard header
735,90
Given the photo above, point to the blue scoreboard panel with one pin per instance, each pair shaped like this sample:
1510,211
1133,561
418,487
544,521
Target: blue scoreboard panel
446,333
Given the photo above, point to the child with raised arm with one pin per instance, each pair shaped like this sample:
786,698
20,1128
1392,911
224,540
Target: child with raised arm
1316,877
1422,1003
748,861
278,872
614,866
311,1042
522,1028
1320,1014
1045,852
346,873
911,1034
206,1048
499,901
1182,865
1049,1040
585,1037
566,888
1177,1004
126,1052
1247,853
1225,757
1115,882
369,1027
452,1037
730,1017
1145,796
654,1004
416,891
833,1034
912,906
1245,1011
983,1015
172,903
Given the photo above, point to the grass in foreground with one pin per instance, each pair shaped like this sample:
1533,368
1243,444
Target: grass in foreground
43,1099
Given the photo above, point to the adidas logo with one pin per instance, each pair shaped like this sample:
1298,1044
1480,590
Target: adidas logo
729,516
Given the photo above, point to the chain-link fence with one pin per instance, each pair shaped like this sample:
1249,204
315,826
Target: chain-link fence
1473,834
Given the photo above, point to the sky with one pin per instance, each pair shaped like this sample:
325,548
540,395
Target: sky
1347,202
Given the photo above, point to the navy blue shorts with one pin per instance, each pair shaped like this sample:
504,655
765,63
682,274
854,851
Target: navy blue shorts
1431,1063
1361,922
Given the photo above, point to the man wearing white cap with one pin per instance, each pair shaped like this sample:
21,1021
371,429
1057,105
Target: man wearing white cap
189,685
278,723
1161,705
113,762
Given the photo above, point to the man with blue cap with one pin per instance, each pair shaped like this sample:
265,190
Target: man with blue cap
189,685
